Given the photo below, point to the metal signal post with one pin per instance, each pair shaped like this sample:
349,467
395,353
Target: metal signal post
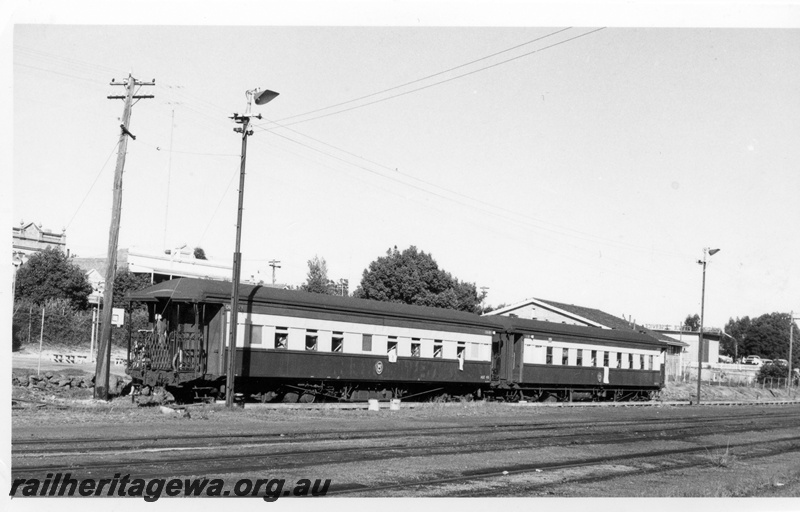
243,119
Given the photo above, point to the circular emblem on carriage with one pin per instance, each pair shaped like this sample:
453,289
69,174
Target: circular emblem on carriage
599,376
379,367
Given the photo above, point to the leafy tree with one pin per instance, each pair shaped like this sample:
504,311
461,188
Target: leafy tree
125,282
51,275
199,253
766,336
317,280
414,277
692,323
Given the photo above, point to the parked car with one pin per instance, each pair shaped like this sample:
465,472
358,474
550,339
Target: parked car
753,360
782,362
766,361
725,359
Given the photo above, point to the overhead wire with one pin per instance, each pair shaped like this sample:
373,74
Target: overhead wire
443,81
100,172
425,77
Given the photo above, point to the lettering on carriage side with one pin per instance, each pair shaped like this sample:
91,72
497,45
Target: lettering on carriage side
379,367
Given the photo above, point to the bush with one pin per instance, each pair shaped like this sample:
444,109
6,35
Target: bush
64,325
772,371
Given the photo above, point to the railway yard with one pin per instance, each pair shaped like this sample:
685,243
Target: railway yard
474,449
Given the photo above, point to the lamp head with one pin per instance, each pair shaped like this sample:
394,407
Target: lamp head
712,252
266,96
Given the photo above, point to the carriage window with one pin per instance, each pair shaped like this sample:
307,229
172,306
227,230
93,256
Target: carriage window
415,350
337,342
641,362
619,359
460,351
594,358
579,360
391,345
437,348
565,356
605,358
650,362
252,334
549,359
311,339
366,342
630,361
281,337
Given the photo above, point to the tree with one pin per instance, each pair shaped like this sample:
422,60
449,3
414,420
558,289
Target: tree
692,323
414,277
317,280
199,253
766,336
51,275
126,282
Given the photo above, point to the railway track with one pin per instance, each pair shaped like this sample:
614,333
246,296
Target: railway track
129,444
309,451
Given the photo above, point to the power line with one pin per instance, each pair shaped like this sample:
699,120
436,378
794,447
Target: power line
92,186
425,77
444,81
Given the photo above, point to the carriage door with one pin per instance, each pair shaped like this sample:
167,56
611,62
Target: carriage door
507,357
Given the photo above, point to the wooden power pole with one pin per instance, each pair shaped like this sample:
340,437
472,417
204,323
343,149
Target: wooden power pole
104,343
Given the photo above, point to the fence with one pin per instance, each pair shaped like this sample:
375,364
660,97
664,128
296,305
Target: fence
733,375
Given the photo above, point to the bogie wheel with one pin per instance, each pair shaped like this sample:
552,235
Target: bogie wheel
307,398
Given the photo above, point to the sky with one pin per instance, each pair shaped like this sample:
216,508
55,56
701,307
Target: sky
582,157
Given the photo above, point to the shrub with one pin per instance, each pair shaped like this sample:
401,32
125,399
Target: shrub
772,371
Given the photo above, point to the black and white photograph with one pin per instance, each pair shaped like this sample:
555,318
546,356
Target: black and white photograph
318,253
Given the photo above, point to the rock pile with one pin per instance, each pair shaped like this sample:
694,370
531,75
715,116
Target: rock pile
50,380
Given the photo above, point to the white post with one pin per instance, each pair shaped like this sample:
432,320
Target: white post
41,337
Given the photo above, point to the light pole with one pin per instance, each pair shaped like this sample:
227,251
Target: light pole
710,252
260,97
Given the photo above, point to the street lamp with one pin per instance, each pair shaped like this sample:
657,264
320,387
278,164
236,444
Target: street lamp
710,252
260,97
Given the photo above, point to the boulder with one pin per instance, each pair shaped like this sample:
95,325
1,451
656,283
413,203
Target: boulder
64,382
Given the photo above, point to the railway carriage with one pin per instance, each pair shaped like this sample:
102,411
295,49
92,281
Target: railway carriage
298,346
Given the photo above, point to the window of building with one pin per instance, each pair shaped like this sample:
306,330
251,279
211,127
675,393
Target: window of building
416,348
549,358
594,358
366,343
337,342
605,358
437,348
311,339
565,356
281,337
579,358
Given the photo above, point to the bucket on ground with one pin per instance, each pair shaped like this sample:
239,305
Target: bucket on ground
394,405
373,404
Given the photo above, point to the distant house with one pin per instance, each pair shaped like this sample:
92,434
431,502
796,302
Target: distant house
157,267
711,339
551,311
30,238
